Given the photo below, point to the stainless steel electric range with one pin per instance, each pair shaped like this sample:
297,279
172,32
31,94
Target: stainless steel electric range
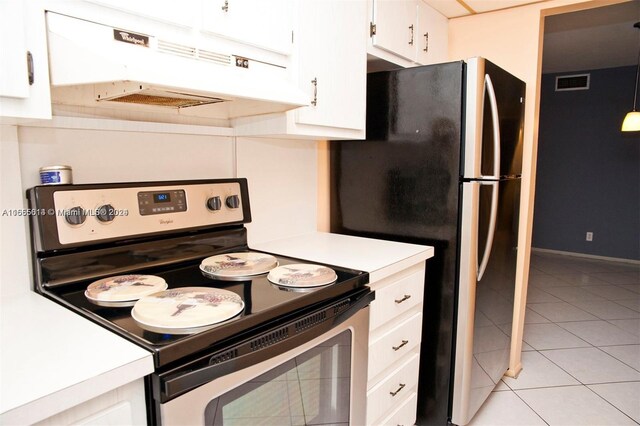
282,349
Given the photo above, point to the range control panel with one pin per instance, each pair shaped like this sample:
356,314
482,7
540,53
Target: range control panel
91,213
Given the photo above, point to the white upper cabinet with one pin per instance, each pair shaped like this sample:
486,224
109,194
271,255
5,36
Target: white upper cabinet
24,73
329,62
265,24
394,27
407,32
431,36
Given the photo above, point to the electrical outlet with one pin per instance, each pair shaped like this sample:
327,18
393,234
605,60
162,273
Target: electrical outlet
589,236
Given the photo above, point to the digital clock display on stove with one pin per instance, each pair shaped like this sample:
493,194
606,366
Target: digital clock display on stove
162,197
162,202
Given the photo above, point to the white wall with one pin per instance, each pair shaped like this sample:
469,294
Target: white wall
14,257
282,177
104,156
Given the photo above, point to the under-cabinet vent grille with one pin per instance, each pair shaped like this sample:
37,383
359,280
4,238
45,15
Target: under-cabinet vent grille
270,339
572,82
193,52
223,357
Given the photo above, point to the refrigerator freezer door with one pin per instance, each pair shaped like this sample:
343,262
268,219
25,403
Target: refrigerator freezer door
485,306
479,151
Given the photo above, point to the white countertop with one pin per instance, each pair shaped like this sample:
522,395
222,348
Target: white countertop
379,258
52,359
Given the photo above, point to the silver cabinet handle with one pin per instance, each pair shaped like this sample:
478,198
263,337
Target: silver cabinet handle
402,385
314,102
426,42
411,41
226,6
405,297
404,342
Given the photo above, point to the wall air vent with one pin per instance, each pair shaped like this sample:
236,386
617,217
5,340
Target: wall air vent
572,82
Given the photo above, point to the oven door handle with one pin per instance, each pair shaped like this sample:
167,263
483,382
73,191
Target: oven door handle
261,347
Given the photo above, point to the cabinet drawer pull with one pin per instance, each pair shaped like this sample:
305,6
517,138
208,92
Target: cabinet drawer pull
405,297
411,41
426,42
314,102
402,385
404,342
225,8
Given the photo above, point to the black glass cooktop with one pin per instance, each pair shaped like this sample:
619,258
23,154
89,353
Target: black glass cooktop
265,305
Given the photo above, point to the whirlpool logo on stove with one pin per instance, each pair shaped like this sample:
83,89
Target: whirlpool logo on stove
133,38
166,221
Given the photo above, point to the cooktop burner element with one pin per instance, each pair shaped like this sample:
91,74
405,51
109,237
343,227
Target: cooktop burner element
123,290
186,310
302,275
237,266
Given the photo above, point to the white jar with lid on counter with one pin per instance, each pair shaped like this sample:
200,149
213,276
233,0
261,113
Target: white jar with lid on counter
55,175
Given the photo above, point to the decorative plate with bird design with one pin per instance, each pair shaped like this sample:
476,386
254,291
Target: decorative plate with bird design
302,275
237,265
186,310
123,290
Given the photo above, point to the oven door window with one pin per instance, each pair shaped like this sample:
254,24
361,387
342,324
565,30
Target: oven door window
310,389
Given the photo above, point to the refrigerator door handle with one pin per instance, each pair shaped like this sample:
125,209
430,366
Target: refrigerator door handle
488,84
492,228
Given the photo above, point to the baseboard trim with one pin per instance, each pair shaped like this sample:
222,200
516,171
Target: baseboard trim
587,256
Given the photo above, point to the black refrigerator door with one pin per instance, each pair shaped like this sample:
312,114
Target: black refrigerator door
402,184
509,92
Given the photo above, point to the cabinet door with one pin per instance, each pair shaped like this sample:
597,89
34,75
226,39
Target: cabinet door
14,80
265,24
22,30
332,63
431,36
395,26
184,12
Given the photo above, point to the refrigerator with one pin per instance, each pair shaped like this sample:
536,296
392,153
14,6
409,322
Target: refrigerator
441,166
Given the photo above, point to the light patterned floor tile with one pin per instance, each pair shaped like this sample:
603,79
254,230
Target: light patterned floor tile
545,280
619,278
591,365
607,309
629,354
631,287
535,295
631,326
551,336
600,333
538,372
634,305
572,406
580,278
570,294
612,292
505,408
624,396
561,312
531,317
501,386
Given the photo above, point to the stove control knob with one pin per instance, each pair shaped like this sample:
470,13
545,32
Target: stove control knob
214,203
75,215
104,213
233,202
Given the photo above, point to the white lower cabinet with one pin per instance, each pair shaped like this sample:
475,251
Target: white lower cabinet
121,406
395,330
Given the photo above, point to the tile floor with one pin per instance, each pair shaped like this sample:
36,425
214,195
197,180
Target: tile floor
581,351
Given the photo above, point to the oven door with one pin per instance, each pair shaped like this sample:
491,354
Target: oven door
315,376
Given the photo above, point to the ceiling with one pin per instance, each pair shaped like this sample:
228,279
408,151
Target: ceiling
597,38
602,37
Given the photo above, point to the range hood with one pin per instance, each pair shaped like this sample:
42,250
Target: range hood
98,65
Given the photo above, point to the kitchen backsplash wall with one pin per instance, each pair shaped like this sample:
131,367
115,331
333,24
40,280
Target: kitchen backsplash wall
105,156
282,177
